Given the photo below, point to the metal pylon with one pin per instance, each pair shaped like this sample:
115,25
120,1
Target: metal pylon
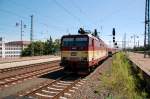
147,28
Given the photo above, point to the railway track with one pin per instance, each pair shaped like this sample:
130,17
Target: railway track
29,68
56,85
25,66
61,88
26,74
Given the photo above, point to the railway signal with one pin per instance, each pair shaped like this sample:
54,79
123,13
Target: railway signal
113,39
113,33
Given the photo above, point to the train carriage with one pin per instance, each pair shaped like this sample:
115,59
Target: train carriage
80,53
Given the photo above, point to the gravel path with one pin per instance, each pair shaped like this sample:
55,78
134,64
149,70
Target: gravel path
88,90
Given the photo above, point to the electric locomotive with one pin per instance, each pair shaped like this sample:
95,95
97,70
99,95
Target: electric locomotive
80,53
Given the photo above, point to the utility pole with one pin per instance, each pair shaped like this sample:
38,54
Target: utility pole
147,28
134,41
21,30
124,41
138,44
21,35
134,38
31,36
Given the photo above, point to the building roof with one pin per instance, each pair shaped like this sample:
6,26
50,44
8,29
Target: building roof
18,43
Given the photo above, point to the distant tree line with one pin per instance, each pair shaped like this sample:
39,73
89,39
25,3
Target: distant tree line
43,48
140,48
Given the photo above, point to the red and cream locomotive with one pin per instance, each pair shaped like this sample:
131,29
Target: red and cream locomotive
80,53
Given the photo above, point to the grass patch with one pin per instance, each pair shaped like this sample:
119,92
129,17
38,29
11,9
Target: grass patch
118,83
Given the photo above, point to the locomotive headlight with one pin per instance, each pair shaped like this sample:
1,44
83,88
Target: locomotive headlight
84,59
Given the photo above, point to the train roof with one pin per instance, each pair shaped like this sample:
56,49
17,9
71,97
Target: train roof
89,35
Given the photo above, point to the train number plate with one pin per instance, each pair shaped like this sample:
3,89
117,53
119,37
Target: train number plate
73,53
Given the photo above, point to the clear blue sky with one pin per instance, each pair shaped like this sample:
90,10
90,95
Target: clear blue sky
59,17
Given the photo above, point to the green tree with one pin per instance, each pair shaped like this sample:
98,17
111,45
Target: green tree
26,51
43,48
56,46
38,49
48,46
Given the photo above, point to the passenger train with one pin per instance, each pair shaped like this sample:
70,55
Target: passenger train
80,53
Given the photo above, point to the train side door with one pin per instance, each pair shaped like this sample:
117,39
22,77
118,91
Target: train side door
92,49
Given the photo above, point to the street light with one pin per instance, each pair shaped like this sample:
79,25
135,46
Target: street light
21,31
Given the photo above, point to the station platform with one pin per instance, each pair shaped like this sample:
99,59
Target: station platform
140,61
8,60
27,61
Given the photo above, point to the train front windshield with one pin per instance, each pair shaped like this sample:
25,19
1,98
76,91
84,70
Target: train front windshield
75,41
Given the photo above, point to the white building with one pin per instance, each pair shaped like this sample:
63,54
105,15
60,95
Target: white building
2,48
12,49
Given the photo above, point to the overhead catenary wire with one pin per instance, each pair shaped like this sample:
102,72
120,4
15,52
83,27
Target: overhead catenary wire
80,10
105,18
12,13
27,9
22,6
67,11
27,18
76,6
46,17
47,25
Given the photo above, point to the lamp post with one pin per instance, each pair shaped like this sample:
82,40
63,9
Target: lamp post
21,31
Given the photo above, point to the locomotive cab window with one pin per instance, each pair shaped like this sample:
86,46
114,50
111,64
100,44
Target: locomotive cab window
81,41
67,41
75,41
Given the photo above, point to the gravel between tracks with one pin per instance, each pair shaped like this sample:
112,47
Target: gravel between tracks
19,87
87,91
